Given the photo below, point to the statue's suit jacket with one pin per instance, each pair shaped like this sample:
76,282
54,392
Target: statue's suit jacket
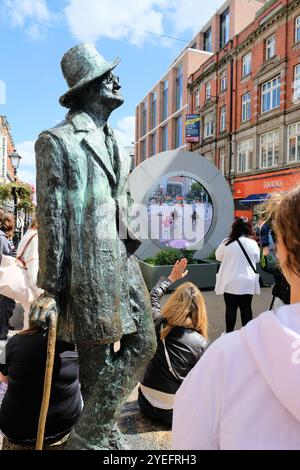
84,262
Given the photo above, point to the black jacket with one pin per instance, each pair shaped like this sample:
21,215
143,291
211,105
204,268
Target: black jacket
185,347
281,288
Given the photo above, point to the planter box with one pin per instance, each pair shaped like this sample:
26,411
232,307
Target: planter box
203,275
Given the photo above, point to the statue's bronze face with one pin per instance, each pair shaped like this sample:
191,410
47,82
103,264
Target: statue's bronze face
109,91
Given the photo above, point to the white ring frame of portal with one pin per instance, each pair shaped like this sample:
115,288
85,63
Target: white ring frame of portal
148,175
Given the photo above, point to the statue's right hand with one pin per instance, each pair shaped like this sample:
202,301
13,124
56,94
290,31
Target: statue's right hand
41,310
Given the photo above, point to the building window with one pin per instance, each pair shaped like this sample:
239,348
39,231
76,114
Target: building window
245,154
209,125
207,91
270,47
297,29
197,98
270,95
246,107
223,119
143,150
165,138
269,149
247,59
153,110
165,100
208,40
222,160
297,82
179,88
153,144
178,132
294,142
144,118
223,81
224,28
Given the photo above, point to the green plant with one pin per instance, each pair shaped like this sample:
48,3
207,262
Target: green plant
211,257
169,256
24,195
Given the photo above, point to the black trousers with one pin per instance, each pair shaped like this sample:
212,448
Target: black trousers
157,414
6,311
233,302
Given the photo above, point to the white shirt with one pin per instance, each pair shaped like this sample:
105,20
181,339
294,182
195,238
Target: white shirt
235,275
244,392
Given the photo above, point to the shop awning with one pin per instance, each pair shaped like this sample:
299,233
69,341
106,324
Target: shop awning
255,198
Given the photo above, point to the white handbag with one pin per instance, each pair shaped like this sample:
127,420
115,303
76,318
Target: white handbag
14,281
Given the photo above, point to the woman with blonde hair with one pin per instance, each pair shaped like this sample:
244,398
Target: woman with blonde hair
181,329
250,397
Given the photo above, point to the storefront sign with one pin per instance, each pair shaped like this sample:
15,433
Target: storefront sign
266,183
192,128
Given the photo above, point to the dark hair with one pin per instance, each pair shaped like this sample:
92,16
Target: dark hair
240,227
7,224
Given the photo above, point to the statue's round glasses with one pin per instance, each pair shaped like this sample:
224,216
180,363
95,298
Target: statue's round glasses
110,78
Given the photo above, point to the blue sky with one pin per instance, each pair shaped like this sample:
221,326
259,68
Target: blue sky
34,34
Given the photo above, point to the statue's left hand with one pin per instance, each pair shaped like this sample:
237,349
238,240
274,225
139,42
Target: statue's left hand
41,310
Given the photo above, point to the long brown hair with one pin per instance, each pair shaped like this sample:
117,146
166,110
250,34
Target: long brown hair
284,208
186,308
8,224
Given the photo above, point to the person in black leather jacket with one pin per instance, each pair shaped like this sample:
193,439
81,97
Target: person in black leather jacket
181,329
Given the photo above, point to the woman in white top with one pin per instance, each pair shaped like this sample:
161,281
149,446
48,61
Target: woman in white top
31,259
250,396
237,278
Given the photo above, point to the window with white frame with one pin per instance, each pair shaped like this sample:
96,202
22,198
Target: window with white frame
270,47
247,59
270,95
223,119
207,91
209,125
223,81
245,154
297,82
297,29
294,142
222,160
269,149
246,107
197,98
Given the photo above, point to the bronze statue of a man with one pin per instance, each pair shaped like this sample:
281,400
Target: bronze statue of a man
87,268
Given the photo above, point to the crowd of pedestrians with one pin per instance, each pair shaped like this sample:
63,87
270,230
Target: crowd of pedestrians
236,393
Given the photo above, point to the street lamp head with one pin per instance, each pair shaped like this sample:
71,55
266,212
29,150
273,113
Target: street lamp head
15,159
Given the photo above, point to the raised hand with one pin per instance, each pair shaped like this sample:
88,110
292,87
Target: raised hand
179,270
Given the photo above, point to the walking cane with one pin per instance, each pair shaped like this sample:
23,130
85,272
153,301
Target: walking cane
47,380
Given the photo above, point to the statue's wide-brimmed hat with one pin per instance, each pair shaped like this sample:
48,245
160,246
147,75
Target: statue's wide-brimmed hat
81,65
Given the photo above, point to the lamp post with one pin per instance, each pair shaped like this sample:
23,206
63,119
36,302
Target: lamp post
15,161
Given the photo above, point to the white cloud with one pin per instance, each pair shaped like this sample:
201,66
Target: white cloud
126,129
192,14
29,15
90,20
26,150
26,171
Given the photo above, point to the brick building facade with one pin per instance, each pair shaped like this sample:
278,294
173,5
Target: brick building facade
6,148
248,97
160,116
